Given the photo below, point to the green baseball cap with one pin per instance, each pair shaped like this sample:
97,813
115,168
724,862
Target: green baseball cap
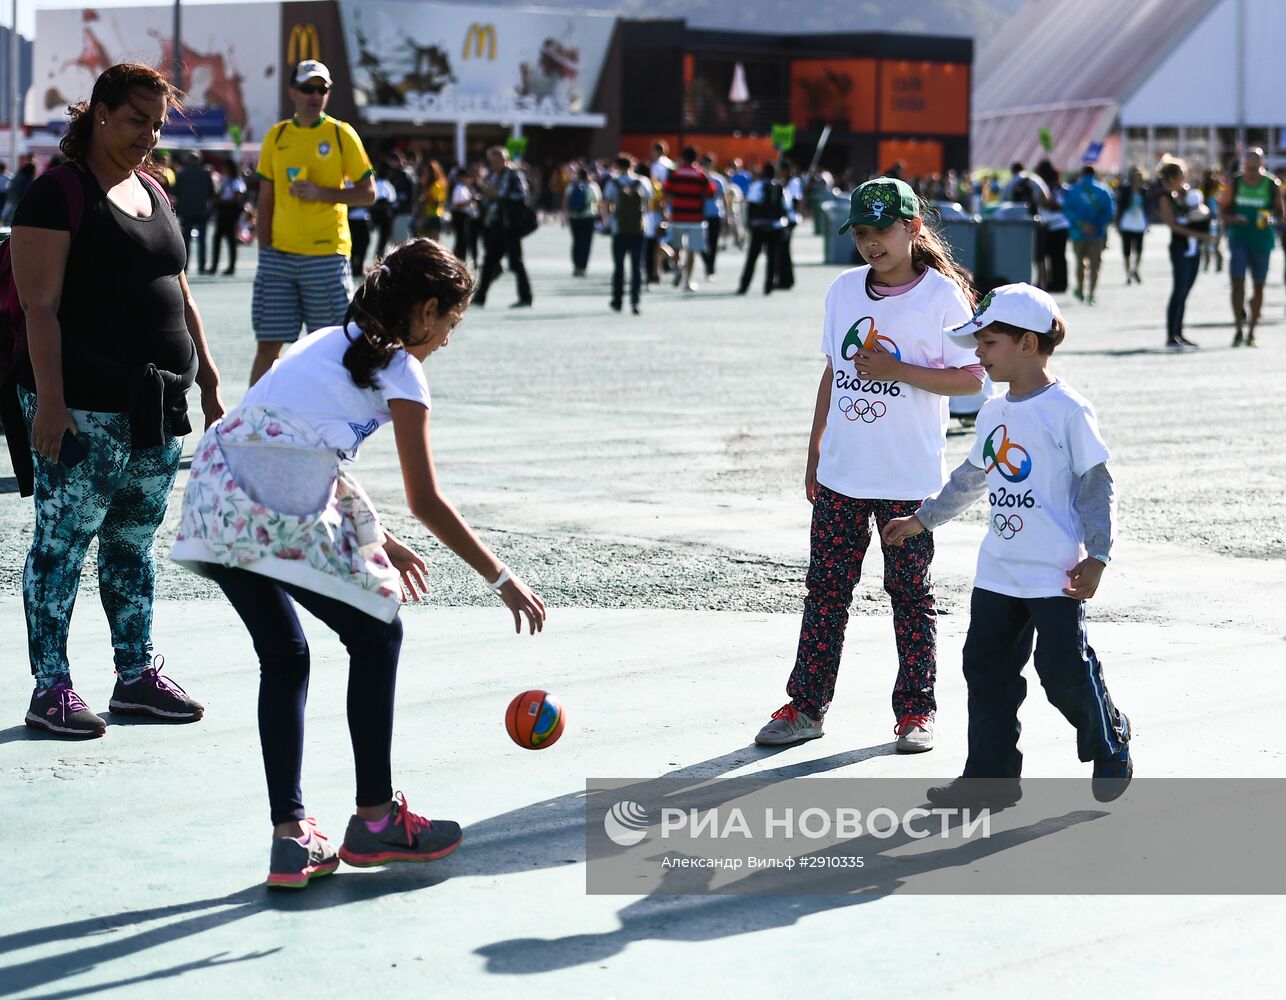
880,202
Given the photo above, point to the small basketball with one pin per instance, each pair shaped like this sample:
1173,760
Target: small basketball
534,720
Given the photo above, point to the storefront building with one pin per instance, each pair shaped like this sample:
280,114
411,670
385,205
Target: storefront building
454,79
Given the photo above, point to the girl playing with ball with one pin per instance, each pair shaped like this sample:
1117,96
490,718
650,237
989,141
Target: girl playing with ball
876,451
272,515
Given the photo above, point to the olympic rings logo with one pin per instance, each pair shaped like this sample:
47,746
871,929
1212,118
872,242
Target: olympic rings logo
865,410
1009,459
1007,525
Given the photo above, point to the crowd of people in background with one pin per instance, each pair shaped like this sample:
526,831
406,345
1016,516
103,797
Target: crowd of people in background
667,219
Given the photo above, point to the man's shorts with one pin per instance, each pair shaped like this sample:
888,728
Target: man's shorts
1091,250
1242,257
691,234
293,290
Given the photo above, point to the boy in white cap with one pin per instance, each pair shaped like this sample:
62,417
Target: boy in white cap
1041,461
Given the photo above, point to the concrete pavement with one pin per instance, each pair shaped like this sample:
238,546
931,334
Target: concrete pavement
644,475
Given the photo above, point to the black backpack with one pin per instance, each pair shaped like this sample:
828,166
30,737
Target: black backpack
766,213
629,208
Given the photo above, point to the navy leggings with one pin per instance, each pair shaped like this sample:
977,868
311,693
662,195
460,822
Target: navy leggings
265,607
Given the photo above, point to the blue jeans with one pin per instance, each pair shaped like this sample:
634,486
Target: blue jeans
118,494
1185,271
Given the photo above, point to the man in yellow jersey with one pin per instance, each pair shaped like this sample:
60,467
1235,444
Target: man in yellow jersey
311,168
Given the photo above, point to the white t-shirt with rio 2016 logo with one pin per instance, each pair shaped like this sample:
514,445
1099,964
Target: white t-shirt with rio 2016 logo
886,440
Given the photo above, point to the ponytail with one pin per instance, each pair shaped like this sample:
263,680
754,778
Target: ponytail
418,270
929,249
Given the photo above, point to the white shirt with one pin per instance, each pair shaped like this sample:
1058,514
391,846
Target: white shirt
1034,452
886,440
311,382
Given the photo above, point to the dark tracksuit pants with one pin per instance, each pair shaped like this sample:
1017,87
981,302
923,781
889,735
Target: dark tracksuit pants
840,536
998,646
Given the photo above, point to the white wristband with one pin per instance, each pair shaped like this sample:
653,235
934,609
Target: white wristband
501,580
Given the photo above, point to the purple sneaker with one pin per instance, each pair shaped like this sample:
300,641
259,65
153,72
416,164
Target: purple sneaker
156,695
59,709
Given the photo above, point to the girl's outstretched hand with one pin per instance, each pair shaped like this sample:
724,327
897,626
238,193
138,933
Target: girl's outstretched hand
518,597
410,564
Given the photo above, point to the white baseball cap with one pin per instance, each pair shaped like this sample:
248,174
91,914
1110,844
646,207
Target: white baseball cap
1021,305
310,68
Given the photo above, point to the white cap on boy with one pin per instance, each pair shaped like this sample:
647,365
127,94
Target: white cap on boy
1024,306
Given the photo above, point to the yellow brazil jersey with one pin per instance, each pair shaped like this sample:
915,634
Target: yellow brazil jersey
329,154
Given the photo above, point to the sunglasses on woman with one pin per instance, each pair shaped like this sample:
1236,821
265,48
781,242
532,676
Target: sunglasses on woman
313,88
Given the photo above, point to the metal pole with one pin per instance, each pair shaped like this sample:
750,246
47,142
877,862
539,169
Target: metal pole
15,99
177,73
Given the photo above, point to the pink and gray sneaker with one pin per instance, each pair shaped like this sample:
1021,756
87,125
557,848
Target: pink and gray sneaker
293,864
60,710
156,695
400,836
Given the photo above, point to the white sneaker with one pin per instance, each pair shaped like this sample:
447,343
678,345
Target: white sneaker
789,725
914,733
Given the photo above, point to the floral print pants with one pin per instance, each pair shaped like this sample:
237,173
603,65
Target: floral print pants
119,494
841,534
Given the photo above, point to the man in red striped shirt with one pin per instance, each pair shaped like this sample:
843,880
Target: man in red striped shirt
686,190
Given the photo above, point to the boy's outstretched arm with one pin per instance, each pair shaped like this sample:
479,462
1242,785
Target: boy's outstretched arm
1096,504
967,484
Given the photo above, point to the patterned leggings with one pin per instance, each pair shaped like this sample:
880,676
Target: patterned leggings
841,534
118,494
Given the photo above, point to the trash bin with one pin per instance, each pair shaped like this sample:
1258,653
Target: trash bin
838,249
960,230
1008,247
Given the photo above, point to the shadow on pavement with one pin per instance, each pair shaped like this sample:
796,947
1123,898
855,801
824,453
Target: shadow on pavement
97,940
666,917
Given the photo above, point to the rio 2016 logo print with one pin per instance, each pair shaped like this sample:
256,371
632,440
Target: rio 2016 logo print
1006,457
863,335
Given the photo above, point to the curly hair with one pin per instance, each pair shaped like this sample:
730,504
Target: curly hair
113,88
418,270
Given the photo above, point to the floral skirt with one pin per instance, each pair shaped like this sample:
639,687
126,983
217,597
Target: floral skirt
336,550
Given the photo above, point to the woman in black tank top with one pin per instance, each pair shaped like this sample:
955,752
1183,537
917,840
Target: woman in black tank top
95,405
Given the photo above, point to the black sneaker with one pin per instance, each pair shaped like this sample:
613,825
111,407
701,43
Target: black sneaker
156,695
1112,774
59,709
406,837
977,793
292,865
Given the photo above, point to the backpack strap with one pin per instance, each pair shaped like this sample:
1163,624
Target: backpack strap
281,128
339,142
155,185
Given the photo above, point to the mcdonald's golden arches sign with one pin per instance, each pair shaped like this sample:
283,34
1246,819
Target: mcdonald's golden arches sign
480,36
304,44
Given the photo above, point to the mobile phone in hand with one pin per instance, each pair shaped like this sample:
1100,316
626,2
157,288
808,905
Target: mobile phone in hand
71,452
